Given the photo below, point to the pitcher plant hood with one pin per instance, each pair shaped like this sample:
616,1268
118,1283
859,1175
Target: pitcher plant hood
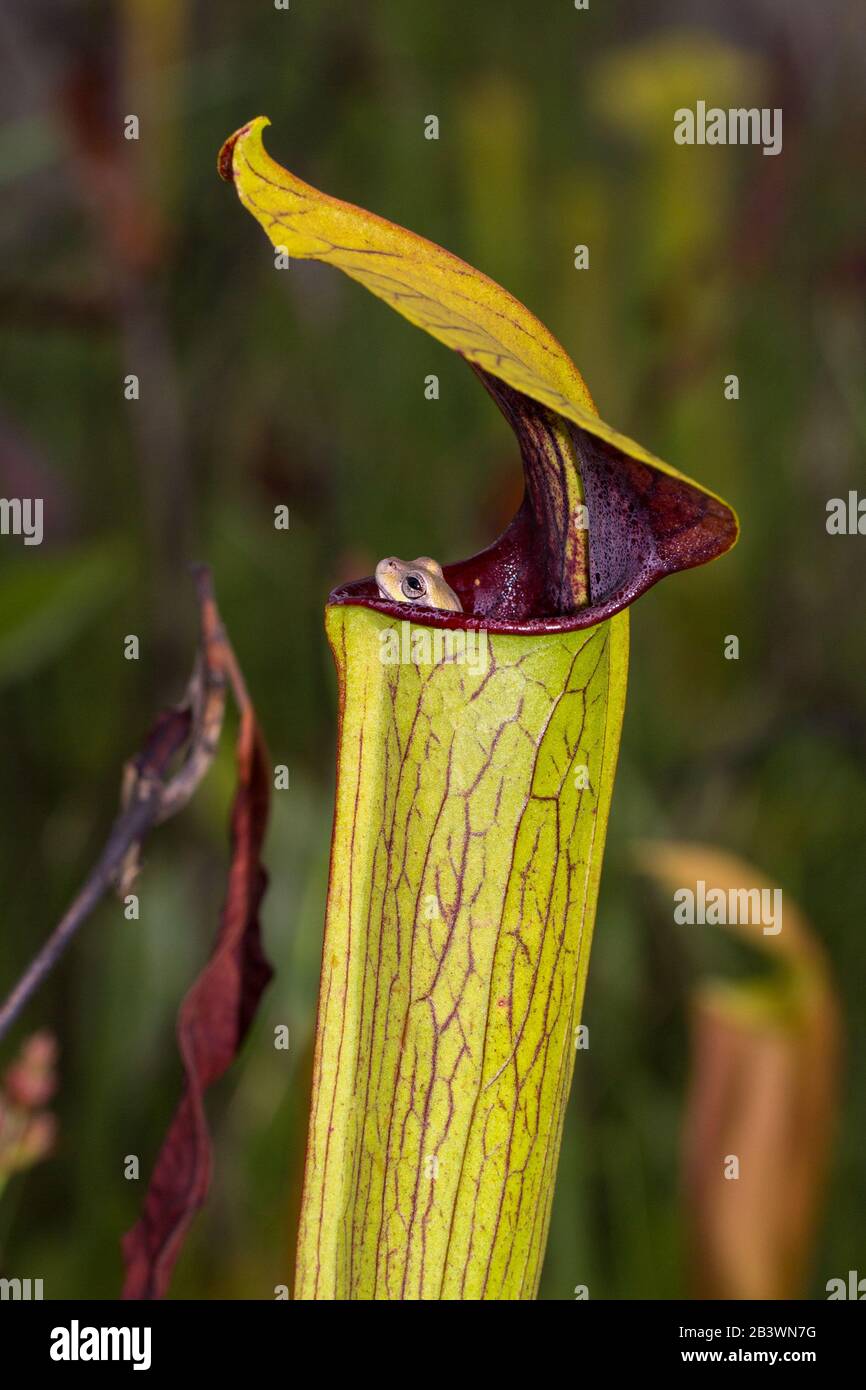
556,566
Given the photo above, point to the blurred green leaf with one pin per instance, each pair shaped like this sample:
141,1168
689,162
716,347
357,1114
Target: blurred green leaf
46,603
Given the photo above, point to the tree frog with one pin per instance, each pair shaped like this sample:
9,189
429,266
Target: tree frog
416,581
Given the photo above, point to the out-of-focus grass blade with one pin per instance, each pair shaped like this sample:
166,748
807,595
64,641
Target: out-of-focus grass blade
46,602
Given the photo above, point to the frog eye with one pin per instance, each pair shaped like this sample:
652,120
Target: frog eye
413,586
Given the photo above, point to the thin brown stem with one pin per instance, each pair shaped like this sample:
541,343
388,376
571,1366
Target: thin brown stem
149,795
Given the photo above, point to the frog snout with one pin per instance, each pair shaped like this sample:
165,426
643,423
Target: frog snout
387,576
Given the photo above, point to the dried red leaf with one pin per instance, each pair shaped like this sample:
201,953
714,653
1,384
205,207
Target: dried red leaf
212,1023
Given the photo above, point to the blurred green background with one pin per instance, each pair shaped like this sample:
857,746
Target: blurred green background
260,388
